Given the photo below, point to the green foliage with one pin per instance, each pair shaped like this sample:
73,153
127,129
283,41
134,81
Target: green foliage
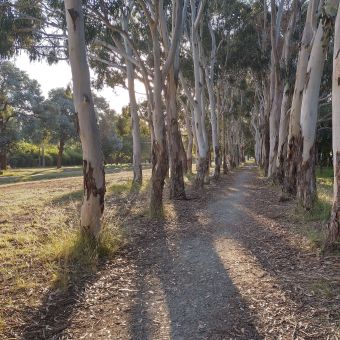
19,97
27,155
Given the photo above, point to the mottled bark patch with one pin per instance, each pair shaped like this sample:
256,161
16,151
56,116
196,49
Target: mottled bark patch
159,171
293,158
90,187
306,184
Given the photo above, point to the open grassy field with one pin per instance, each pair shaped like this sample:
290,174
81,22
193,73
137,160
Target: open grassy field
38,174
40,243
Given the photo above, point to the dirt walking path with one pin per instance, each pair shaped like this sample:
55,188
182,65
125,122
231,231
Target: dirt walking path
228,266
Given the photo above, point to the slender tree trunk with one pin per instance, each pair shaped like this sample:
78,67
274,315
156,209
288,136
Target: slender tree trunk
333,228
289,184
39,157
276,91
189,128
224,145
136,140
199,124
287,94
177,189
93,163
43,163
3,159
209,76
306,185
60,153
159,147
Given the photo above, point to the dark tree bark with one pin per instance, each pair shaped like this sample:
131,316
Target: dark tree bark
60,153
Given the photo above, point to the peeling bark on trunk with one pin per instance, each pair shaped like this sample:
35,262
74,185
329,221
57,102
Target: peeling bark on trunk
159,148
93,164
289,184
60,153
287,95
276,91
306,187
333,227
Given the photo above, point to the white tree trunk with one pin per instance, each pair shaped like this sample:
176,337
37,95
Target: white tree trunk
93,164
276,89
306,186
287,94
136,142
295,113
333,230
209,77
198,109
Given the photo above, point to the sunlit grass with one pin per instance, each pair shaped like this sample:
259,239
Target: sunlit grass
37,174
41,244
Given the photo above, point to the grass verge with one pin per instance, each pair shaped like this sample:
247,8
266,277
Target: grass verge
315,219
41,246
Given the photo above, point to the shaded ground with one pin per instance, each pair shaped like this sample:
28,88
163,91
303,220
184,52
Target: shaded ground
228,266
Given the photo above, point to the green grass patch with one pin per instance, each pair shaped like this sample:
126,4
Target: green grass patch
321,288
37,174
320,213
75,254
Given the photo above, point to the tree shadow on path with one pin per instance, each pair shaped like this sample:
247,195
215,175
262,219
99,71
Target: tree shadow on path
185,291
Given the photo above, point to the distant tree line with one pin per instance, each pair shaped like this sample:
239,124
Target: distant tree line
35,131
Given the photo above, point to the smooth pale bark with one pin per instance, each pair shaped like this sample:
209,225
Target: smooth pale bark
289,184
189,130
136,140
202,162
306,184
209,77
333,228
287,94
93,164
276,89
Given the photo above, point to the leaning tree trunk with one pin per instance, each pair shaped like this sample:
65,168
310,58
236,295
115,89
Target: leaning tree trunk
292,159
136,140
93,164
333,228
306,185
60,153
